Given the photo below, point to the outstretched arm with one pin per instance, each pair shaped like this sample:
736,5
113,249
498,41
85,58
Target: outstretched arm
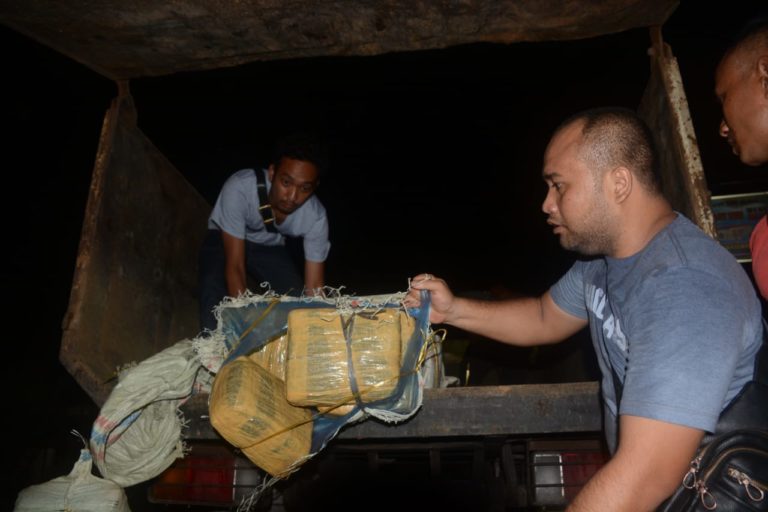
521,321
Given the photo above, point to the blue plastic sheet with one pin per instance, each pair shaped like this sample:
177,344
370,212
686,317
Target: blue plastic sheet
247,327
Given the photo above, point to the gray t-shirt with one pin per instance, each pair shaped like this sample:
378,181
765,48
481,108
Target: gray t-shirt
237,213
679,322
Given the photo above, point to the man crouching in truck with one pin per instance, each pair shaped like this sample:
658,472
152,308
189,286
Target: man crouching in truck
255,211
674,319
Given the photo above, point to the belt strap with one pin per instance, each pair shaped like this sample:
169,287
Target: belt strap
264,207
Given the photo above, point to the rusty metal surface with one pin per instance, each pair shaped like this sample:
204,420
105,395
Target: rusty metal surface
467,411
123,40
665,108
134,288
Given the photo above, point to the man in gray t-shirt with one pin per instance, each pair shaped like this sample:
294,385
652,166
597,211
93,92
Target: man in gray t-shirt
674,319
679,330
255,211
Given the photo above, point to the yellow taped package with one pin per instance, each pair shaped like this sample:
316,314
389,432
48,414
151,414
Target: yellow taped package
248,408
271,356
317,368
407,328
336,411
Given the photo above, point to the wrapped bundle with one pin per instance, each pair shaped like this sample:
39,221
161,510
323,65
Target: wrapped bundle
317,364
407,328
271,356
337,411
248,408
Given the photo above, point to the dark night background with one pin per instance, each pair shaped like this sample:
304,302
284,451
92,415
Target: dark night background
434,167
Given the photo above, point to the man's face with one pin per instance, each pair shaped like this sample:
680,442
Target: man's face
575,204
744,98
293,182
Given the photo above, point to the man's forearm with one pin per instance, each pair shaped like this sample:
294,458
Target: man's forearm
608,490
621,489
236,283
499,320
521,321
234,264
314,277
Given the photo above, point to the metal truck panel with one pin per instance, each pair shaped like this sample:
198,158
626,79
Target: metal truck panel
664,107
134,290
122,40
466,411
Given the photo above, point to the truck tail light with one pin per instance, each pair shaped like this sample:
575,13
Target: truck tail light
560,470
209,475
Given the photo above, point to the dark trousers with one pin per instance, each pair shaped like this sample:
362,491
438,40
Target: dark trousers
273,264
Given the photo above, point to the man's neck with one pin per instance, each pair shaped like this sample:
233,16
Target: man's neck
644,224
279,216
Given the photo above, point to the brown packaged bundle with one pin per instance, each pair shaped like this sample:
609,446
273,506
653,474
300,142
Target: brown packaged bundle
317,369
248,408
271,356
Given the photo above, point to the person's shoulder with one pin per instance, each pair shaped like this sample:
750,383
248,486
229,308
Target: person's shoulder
678,248
242,175
690,243
688,253
239,180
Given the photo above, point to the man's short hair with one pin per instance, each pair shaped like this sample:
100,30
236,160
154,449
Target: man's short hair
752,36
617,136
304,146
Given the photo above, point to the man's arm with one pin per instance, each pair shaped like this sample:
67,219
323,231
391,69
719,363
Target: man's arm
525,321
314,277
234,264
650,462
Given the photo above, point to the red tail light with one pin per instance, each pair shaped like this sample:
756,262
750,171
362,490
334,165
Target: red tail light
209,475
560,469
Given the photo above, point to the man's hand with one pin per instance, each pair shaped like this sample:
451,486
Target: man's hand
442,299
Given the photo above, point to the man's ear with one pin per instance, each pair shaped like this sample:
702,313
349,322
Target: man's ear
271,172
762,73
622,181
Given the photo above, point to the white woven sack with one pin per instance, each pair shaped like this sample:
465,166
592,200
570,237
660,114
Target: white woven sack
79,491
137,434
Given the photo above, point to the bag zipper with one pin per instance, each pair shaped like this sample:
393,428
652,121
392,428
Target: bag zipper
755,489
692,481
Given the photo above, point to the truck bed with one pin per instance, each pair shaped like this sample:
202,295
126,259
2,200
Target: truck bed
465,411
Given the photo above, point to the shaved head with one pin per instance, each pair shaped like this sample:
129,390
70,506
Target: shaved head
750,42
746,47
616,137
741,85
